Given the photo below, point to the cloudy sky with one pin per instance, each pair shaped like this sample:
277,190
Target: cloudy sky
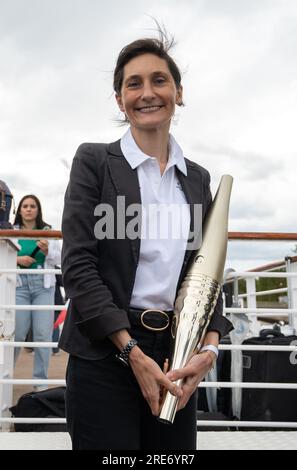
239,66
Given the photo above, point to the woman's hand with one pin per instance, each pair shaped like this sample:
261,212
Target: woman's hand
193,373
25,261
43,245
151,379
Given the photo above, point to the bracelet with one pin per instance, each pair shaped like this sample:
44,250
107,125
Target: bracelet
123,356
210,347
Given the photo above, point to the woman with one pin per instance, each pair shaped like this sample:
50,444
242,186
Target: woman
35,289
112,278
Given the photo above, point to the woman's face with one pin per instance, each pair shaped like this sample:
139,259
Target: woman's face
149,94
29,210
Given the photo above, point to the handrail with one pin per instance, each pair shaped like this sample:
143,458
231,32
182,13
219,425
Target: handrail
288,236
229,276
262,311
200,422
31,307
274,265
259,274
15,233
222,347
253,385
30,271
261,293
247,424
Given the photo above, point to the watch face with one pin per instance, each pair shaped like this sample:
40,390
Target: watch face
123,361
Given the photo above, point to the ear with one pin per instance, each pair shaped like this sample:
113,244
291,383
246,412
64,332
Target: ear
179,96
120,102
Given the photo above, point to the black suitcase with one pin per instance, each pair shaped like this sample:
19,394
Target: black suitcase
270,366
48,403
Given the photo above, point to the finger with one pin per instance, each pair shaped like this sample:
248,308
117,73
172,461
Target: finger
171,387
185,398
177,374
165,366
165,370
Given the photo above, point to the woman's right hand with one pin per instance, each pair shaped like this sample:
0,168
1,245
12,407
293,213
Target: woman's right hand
25,261
151,379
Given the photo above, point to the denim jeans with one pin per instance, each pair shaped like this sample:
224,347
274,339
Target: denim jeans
32,292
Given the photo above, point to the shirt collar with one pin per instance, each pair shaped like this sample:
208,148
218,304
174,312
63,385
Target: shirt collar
135,157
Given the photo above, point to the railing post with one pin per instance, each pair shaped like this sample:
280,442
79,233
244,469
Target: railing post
252,303
8,253
292,294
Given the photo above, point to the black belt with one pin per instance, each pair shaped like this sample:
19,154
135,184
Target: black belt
151,319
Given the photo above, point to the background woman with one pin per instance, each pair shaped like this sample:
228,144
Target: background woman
35,289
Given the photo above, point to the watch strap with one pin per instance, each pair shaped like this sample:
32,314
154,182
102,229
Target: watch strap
123,356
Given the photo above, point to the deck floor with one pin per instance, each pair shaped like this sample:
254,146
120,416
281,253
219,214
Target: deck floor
238,440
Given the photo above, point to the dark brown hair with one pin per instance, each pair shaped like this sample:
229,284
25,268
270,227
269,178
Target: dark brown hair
40,224
139,47
160,47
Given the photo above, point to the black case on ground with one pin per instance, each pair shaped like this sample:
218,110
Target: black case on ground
48,403
270,366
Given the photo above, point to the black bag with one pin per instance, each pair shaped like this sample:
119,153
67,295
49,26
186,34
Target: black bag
5,204
270,366
46,404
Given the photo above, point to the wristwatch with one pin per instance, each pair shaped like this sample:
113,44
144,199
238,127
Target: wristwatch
123,356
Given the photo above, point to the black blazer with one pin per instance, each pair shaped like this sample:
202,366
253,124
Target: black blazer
98,275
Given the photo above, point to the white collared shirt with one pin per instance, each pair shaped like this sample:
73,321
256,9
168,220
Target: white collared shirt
164,228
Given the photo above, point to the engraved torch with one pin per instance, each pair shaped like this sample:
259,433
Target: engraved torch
199,291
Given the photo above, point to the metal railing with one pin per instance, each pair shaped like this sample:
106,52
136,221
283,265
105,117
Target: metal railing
249,311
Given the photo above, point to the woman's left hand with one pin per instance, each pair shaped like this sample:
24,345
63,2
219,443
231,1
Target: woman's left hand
193,373
43,245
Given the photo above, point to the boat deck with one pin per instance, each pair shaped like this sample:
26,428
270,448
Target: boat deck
237,440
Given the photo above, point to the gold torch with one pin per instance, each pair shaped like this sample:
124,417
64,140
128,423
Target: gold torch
199,291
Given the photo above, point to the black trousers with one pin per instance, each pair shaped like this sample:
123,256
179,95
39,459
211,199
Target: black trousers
105,408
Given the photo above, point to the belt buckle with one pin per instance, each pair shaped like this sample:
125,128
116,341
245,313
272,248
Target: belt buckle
162,328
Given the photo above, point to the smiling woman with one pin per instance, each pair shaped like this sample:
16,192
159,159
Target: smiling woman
149,94
147,84
122,288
